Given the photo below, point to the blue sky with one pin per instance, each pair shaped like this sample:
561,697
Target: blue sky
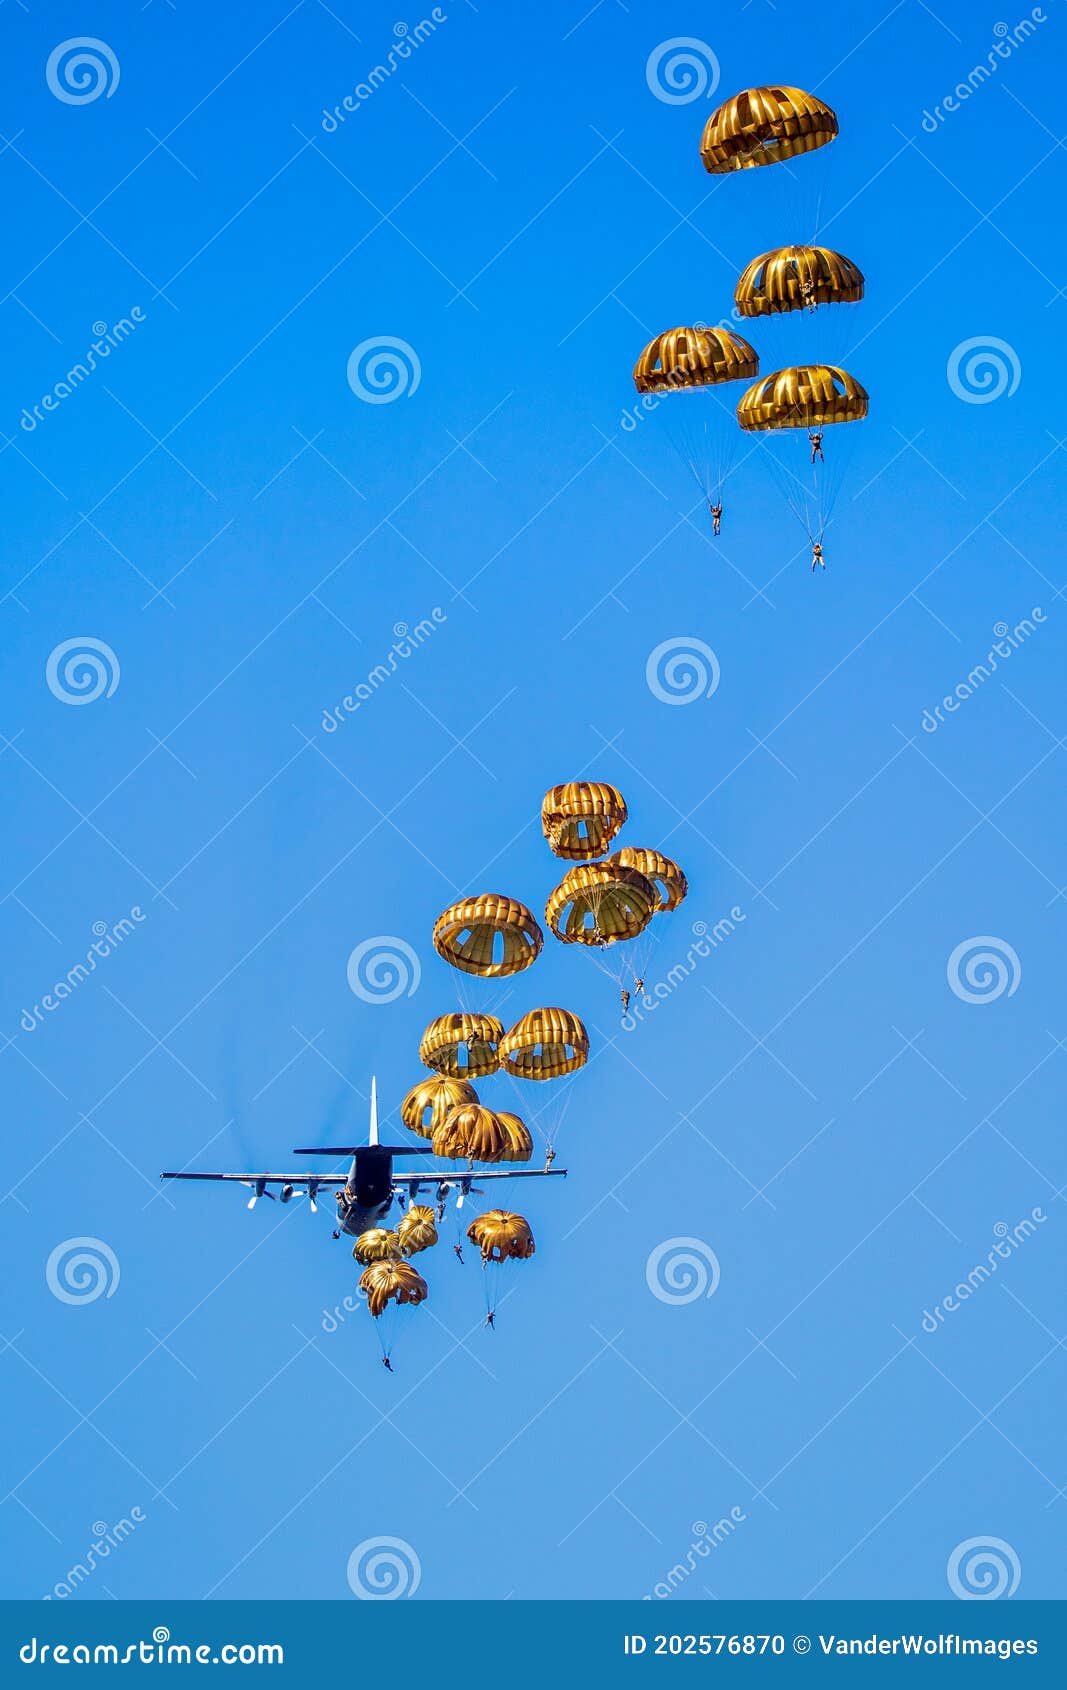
814,1104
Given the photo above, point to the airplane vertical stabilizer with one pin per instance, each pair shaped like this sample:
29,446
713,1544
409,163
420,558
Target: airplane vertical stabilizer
373,1112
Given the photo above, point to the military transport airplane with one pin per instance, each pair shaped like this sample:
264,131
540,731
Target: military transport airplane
366,1193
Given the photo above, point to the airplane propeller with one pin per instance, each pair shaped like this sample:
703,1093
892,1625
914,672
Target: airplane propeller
466,1189
259,1189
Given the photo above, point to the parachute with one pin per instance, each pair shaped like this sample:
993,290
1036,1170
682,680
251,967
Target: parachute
806,280
797,278
600,903
687,366
416,1230
545,1044
435,1096
809,396
462,1046
765,126
488,935
501,1236
581,818
520,1143
608,906
665,875
391,1281
812,397
376,1245
472,1133
694,357
389,1284
772,124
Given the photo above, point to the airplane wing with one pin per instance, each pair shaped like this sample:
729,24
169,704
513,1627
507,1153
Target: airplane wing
472,1175
268,1179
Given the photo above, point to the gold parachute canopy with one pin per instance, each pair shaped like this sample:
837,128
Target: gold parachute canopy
462,1046
792,278
545,1044
427,1105
808,396
581,818
501,1236
520,1143
763,126
599,903
392,1281
376,1245
416,1230
472,1133
694,357
488,935
664,873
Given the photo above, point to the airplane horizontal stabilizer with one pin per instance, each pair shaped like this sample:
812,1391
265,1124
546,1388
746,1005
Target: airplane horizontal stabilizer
351,1149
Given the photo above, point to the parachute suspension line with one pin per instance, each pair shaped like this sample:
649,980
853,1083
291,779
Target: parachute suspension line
548,1118
684,367
521,1097
385,1332
490,1275
459,1233
555,1126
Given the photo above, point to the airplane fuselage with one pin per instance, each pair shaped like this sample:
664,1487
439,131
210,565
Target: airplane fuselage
355,1218
368,1193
